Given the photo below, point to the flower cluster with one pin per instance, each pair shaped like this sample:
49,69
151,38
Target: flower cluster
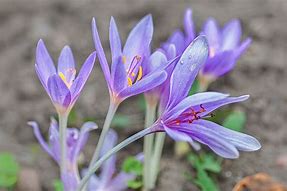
164,76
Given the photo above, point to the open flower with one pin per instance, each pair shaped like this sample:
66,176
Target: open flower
62,85
76,140
225,48
107,180
128,76
184,118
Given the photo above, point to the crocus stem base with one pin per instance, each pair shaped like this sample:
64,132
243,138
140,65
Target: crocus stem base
63,120
148,145
111,112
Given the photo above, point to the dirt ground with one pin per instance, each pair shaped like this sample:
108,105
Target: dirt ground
262,73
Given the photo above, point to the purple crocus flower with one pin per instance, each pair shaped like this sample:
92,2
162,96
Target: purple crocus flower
107,180
225,48
62,85
128,75
184,118
76,140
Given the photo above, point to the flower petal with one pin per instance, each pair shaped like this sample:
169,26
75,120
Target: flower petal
119,76
177,135
220,64
66,64
211,30
189,27
82,77
231,35
211,106
116,47
44,62
58,91
213,140
40,139
101,54
241,141
186,70
193,100
147,83
242,48
139,40
54,139
177,38
83,138
156,60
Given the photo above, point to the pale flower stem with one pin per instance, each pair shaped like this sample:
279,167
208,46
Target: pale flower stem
148,145
155,162
63,120
110,115
121,145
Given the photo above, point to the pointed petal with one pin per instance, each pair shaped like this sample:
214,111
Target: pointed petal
156,60
58,91
220,64
109,166
120,182
115,44
101,54
83,138
177,38
242,48
119,76
186,70
241,141
177,135
66,64
40,139
82,77
213,140
147,83
193,100
44,62
231,35
189,27
139,39
211,106
211,30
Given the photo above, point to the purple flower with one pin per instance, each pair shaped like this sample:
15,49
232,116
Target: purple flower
184,118
225,48
62,85
107,180
76,140
128,75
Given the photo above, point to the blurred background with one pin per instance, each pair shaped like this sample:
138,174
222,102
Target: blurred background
261,72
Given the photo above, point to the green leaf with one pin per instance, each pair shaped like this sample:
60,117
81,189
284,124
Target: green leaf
9,170
120,121
58,185
135,184
205,161
205,182
235,121
132,165
195,87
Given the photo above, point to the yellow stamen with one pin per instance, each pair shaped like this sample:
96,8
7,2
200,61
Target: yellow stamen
63,77
133,74
140,73
124,59
130,82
